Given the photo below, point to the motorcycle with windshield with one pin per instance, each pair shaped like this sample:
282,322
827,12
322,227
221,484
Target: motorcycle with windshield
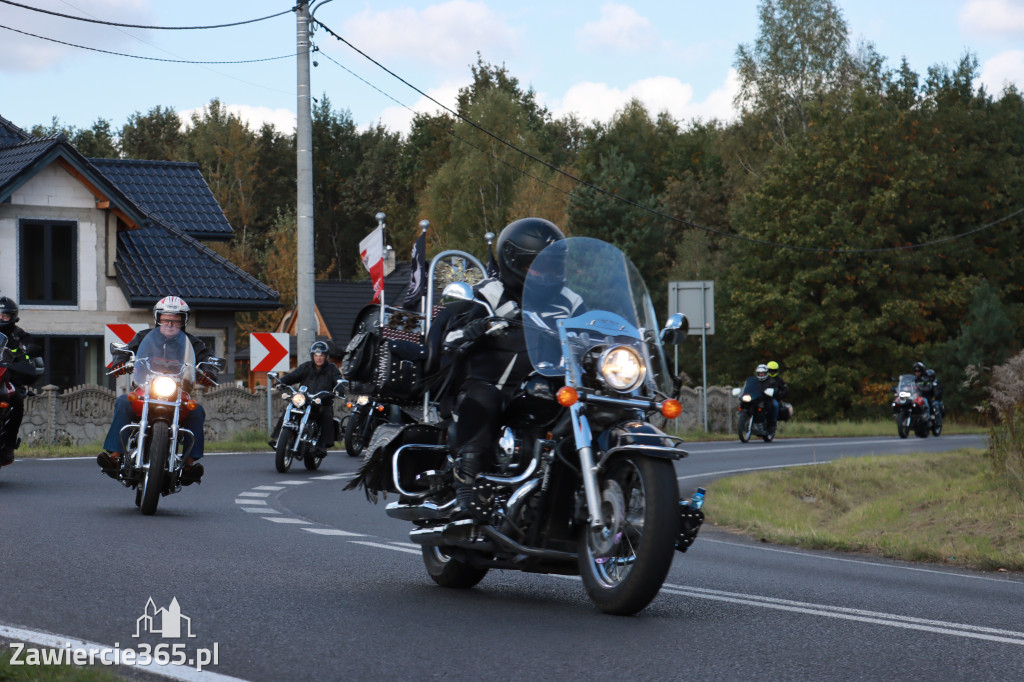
580,482
299,437
164,372
12,369
910,409
753,409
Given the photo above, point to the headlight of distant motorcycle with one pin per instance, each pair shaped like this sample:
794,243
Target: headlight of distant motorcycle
362,400
746,398
299,399
622,368
164,387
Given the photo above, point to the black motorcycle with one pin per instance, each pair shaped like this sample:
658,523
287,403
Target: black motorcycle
910,409
299,437
754,408
579,482
365,415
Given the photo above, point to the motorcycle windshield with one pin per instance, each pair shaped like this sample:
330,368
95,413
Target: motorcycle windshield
602,301
907,384
752,388
3,342
162,353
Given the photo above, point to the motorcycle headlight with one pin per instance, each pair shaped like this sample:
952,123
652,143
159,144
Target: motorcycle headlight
362,400
164,387
622,368
299,399
746,398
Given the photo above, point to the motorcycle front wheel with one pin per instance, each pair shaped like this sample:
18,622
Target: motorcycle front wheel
311,459
153,483
903,426
624,563
283,453
937,429
745,426
354,433
449,572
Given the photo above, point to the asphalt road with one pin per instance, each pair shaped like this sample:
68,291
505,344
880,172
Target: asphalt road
289,577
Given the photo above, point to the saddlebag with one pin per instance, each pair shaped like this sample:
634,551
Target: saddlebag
357,362
376,476
399,367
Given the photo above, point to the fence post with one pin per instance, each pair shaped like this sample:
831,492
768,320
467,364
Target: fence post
51,392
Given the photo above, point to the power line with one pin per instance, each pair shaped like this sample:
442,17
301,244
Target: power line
152,59
154,28
612,195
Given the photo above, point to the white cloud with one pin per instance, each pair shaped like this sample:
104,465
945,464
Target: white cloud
1005,17
620,28
399,119
598,101
29,53
447,35
1004,68
253,116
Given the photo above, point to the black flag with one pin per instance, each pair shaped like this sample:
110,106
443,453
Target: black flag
418,278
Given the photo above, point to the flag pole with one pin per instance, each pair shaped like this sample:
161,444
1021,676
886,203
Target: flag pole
383,240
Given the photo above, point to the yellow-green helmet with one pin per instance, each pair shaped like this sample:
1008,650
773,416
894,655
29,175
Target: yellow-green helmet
773,368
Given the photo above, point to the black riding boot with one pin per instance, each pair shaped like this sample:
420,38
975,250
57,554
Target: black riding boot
467,466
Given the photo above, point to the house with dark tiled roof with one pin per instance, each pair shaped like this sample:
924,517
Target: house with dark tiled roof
87,243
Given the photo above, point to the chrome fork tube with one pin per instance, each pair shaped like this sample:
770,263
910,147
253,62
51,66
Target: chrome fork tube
581,433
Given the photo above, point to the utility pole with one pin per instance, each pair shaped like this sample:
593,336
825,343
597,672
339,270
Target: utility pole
305,316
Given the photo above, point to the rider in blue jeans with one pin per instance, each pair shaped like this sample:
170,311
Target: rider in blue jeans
171,315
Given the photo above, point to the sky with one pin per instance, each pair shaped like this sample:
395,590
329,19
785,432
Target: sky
579,56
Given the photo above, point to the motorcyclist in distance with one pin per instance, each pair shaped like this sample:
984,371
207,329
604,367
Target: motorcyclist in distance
170,315
781,389
494,365
761,372
924,384
316,374
20,372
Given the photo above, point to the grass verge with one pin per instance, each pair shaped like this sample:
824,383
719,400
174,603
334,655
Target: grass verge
49,672
948,508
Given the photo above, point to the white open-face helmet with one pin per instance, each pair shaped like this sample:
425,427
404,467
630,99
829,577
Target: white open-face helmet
761,371
171,305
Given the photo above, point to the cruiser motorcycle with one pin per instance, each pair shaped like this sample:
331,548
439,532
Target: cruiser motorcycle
163,372
910,409
299,437
366,414
580,482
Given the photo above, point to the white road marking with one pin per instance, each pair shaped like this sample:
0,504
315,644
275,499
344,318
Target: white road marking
873,617
333,531
383,546
293,482
269,487
254,494
260,510
286,519
748,469
249,500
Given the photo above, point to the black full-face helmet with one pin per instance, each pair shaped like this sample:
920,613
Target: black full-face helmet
7,305
519,243
919,367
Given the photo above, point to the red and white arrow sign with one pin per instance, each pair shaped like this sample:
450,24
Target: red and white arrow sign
119,332
268,351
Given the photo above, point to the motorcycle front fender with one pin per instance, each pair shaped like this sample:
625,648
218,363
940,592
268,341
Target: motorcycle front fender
638,437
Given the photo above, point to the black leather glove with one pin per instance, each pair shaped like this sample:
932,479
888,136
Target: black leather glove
475,329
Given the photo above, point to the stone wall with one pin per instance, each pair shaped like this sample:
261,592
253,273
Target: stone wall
82,414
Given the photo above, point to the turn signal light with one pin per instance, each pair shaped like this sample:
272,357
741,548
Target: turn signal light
380,408
191,404
132,397
567,396
671,408
4,406
350,405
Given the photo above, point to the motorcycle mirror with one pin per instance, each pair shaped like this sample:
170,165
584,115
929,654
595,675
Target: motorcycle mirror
118,347
459,296
219,363
736,391
676,329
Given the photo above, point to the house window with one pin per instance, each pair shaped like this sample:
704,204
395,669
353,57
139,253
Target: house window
71,361
48,262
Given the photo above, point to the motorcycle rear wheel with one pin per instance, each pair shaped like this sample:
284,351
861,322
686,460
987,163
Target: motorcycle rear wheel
153,483
354,433
283,453
745,426
624,575
937,430
449,572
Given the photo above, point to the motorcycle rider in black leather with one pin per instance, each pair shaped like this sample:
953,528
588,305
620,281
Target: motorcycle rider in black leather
495,364
20,372
924,384
316,374
775,381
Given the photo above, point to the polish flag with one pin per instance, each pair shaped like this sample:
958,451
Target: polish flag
371,251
